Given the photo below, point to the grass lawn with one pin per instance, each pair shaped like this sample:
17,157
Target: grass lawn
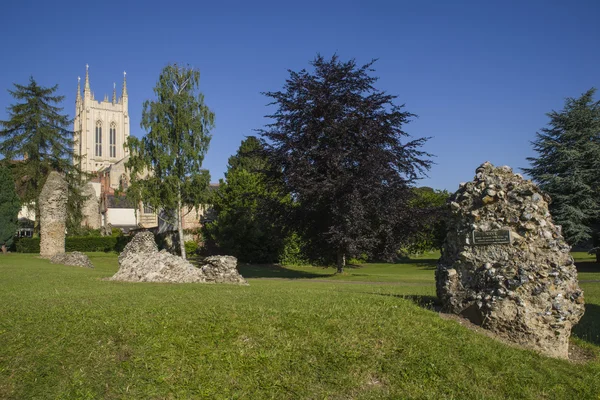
66,333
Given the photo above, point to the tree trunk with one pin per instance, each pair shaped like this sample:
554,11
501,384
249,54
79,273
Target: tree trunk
341,261
4,249
180,226
598,256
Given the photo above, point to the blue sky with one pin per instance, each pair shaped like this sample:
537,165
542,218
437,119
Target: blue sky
481,75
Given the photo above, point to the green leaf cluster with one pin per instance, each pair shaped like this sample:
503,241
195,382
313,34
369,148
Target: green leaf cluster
37,139
429,204
247,205
567,166
166,164
9,207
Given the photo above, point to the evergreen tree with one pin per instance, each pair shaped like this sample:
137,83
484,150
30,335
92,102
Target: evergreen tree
567,166
247,205
9,208
166,164
339,144
38,136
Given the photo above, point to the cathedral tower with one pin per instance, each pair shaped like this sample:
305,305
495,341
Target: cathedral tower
101,127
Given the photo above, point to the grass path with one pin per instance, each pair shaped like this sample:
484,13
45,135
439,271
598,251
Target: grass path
66,333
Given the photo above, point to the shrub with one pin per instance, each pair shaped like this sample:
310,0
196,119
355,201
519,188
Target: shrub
191,247
78,243
27,245
292,253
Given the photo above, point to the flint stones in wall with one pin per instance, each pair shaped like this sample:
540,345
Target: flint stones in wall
91,208
75,258
506,266
141,261
53,214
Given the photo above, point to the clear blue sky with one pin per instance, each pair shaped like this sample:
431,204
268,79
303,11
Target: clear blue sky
480,74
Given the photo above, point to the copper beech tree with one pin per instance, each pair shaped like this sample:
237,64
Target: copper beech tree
346,160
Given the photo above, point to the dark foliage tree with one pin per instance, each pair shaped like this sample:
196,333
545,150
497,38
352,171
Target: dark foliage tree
247,205
567,166
339,144
166,164
9,208
430,204
38,138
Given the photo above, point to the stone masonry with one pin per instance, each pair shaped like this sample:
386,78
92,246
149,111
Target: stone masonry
505,265
53,215
141,261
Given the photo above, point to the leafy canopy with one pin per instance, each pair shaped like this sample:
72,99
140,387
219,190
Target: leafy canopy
567,166
37,135
9,207
167,161
166,164
246,205
345,159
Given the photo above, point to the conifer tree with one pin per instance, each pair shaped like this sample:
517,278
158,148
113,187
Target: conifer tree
346,160
166,164
38,138
567,166
9,208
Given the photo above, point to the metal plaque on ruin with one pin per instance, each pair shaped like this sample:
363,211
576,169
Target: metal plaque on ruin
491,237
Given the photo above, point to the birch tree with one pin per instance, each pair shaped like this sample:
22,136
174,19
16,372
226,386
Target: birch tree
166,164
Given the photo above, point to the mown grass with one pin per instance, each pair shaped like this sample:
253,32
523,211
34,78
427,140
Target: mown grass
66,333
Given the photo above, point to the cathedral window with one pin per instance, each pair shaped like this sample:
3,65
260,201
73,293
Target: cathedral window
98,139
113,140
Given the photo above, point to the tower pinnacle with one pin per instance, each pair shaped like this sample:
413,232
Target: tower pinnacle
124,84
87,79
78,99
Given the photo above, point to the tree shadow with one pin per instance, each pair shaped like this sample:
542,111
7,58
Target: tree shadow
588,328
276,271
427,302
587,266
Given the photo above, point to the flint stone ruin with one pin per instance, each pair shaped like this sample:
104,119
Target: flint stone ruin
91,208
505,265
53,215
75,258
141,261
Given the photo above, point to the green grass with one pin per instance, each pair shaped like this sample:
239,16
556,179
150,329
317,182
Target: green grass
66,333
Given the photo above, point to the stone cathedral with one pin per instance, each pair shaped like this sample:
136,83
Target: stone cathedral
101,127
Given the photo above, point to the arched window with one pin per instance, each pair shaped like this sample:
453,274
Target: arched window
99,139
113,140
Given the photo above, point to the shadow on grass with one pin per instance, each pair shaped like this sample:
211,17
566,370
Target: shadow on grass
588,328
425,263
276,271
431,303
587,266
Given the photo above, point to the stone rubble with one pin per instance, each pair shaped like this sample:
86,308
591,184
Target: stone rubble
75,258
141,261
53,215
526,291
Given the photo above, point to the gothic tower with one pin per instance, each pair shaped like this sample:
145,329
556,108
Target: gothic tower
101,127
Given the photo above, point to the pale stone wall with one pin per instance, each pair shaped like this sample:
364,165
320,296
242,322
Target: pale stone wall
53,215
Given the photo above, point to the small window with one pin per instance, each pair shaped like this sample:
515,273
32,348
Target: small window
113,140
98,139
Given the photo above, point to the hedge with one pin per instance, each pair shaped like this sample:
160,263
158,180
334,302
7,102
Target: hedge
75,243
